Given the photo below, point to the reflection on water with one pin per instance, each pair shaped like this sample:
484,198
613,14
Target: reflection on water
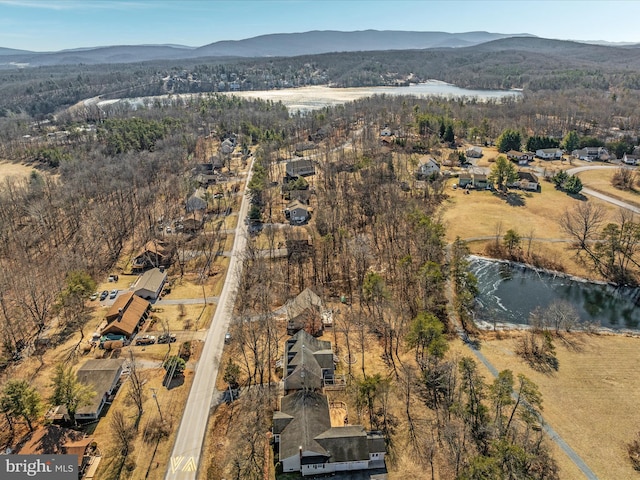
509,293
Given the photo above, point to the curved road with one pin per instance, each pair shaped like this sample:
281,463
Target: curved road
602,196
187,449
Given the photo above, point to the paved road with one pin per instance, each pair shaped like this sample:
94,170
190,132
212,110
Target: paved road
187,449
602,196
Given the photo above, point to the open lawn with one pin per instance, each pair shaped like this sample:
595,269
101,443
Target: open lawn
179,317
600,180
14,170
482,214
591,401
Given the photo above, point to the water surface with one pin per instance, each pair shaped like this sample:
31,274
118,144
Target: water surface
509,293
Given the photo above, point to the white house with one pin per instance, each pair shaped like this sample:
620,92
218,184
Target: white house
427,168
549,153
591,153
302,429
631,159
150,284
473,152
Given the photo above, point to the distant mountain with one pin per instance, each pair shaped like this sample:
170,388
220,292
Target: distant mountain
12,51
315,42
280,45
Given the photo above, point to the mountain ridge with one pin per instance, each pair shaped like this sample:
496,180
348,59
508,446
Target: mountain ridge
278,44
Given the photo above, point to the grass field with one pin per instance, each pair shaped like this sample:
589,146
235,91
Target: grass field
591,401
600,180
15,170
482,213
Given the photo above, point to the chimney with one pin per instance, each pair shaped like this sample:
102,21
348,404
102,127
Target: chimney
120,314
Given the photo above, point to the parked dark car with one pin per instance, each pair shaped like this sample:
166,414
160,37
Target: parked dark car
104,294
167,338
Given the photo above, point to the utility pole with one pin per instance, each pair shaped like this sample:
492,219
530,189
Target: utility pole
155,397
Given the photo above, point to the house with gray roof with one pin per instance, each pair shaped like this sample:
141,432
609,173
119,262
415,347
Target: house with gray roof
300,168
307,362
150,284
305,439
102,377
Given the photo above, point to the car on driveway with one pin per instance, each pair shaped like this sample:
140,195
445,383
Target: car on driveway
104,294
114,294
167,338
146,340
94,296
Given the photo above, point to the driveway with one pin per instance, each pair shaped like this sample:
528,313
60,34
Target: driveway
602,196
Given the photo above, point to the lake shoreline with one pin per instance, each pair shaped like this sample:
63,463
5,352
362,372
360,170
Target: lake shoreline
515,293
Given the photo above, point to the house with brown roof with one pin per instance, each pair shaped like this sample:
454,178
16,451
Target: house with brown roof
55,440
304,312
126,315
155,253
102,376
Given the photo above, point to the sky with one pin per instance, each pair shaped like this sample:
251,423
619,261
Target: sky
50,25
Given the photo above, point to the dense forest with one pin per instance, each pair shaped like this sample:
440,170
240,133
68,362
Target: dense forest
528,63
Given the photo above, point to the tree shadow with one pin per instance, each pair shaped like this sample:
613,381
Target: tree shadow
578,196
514,199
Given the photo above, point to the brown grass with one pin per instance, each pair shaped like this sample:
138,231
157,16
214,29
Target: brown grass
535,213
14,170
600,180
591,401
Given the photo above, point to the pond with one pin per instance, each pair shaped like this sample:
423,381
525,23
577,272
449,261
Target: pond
510,292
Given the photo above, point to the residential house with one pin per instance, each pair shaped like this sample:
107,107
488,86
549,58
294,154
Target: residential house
305,439
549,153
55,440
102,376
300,168
155,253
523,158
427,169
297,212
473,152
197,201
386,132
307,362
590,154
631,159
126,315
227,146
473,179
526,181
304,312
150,284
